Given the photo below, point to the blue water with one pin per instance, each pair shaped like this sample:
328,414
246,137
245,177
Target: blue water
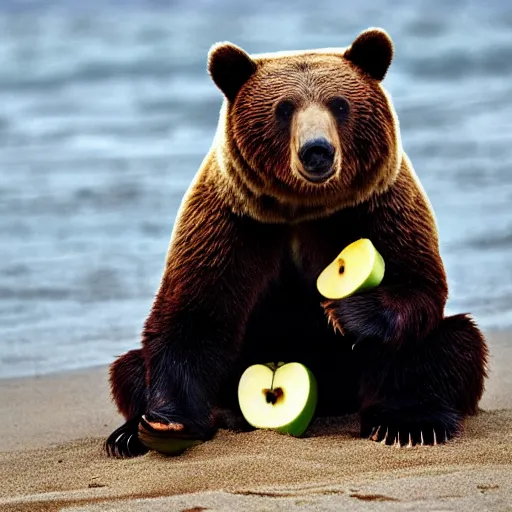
107,111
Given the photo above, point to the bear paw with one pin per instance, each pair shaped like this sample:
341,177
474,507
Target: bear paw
124,442
171,434
167,421
406,430
362,316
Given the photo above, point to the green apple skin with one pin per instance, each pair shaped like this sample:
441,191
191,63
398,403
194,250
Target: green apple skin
164,441
376,275
166,444
298,425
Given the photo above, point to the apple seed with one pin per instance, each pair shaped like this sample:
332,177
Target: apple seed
273,395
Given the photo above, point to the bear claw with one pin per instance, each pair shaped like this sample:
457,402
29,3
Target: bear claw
124,442
409,437
423,426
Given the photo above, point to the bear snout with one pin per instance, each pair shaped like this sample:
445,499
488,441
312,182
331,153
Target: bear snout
317,158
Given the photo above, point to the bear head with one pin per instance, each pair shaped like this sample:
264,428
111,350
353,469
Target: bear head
314,128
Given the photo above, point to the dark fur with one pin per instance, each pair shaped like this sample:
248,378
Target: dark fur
252,237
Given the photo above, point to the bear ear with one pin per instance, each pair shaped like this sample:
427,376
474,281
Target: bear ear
371,52
230,67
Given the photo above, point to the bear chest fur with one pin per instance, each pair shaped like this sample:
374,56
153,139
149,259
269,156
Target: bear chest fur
313,245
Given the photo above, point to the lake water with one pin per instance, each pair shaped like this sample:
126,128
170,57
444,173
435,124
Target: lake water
107,111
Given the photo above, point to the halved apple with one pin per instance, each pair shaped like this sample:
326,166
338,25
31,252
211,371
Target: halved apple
358,267
279,397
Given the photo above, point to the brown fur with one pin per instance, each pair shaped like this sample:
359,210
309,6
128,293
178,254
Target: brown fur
254,153
253,234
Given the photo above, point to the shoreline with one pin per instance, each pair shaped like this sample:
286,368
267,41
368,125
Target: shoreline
54,425
499,336
494,332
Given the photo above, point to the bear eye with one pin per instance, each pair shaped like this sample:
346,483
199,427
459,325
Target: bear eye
339,107
284,111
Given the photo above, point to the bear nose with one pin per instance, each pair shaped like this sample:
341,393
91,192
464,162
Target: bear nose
317,157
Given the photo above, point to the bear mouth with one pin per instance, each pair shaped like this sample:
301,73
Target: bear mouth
317,178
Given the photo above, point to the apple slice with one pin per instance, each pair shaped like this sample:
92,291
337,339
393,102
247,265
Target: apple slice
279,397
358,267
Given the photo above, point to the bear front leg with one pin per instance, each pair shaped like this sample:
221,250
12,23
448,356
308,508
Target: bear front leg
420,373
217,266
394,314
399,341
416,385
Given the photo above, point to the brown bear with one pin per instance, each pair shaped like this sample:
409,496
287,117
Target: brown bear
307,158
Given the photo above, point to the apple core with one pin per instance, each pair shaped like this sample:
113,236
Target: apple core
272,396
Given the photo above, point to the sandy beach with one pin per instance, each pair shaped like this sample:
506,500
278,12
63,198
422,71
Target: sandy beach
107,113
51,458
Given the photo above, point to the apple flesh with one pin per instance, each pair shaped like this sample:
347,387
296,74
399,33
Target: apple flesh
358,267
278,397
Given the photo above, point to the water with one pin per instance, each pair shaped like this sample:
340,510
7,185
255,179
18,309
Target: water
107,111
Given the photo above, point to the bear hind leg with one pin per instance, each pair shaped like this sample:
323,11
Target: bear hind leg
421,393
